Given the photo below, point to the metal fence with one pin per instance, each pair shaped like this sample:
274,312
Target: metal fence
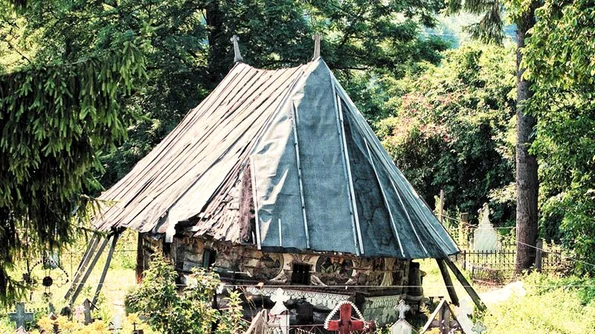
498,266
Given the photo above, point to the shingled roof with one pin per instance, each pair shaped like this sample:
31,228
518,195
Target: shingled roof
284,160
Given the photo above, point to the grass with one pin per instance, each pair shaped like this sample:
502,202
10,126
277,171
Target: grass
551,305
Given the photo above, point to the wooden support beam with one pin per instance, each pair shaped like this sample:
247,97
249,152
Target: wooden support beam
105,267
448,282
82,265
79,286
466,285
89,250
140,258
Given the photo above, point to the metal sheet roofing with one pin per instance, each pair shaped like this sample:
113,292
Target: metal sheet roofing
282,159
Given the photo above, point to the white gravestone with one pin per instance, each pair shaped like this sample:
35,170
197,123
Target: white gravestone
279,316
401,326
485,237
463,311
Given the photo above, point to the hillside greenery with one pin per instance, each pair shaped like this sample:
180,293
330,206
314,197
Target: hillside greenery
452,128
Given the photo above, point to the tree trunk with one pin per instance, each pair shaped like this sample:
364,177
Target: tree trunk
220,60
526,163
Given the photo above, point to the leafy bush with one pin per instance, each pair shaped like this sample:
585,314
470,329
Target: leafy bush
168,310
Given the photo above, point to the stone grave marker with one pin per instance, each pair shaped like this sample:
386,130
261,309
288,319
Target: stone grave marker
401,326
479,328
463,312
20,316
279,313
485,237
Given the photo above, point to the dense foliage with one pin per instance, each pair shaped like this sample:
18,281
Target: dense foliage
360,39
164,57
55,119
167,310
88,88
564,104
453,129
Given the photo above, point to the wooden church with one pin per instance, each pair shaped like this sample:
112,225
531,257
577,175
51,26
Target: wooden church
276,180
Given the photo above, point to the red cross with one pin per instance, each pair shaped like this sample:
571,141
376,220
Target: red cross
345,324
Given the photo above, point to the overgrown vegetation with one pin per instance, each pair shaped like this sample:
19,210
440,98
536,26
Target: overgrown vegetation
77,78
551,305
565,141
168,310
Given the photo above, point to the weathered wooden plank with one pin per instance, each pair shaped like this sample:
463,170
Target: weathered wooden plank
472,293
448,282
82,265
79,286
257,91
106,267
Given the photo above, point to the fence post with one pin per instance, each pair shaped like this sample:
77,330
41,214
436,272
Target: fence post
539,255
463,240
441,208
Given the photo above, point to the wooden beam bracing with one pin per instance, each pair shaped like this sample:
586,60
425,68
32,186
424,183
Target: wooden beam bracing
448,282
466,285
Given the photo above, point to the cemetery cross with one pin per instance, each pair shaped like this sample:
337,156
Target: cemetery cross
345,324
20,316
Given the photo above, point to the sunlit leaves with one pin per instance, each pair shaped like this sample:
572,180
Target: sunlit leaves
559,59
451,129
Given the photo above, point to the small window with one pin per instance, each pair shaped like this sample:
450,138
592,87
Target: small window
208,258
301,274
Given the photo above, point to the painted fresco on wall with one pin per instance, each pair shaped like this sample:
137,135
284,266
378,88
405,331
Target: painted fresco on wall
271,265
334,270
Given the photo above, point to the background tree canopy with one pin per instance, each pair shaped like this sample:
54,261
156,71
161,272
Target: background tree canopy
88,88
453,129
564,104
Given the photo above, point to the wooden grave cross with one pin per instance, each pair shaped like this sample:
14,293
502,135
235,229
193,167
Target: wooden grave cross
346,324
20,316
21,330
87,311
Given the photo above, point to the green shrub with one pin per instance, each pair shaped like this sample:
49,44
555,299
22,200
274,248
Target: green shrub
168,310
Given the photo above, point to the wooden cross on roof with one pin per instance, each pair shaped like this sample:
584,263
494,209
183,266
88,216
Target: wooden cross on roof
237,56
316,39
346,323
20,316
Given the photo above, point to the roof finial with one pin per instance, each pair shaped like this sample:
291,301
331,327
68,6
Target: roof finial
237,56
316,39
